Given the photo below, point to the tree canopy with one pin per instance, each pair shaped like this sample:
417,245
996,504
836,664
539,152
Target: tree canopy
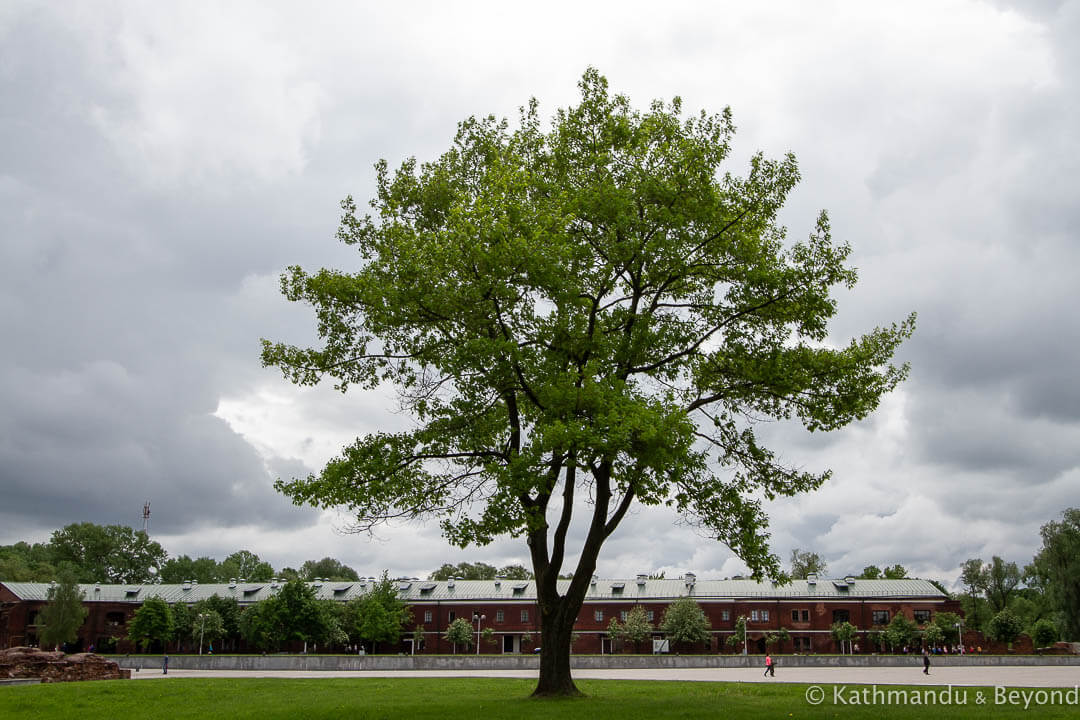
593,311
804,563
1058,567
107,553
65,613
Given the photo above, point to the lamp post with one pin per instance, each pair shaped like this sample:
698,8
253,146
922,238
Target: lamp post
202,629
478,617
743,634
960,635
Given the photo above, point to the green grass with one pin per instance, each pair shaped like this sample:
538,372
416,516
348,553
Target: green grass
466,698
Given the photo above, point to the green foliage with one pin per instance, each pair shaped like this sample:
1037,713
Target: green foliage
684,621
1057,566
933,635
381,615
778,638
805,563
599,308
204,570
1000,580
183,622
64,614
227,608
1005,627
974,580
465,571
206,627
900,632
294,614
459,632
947,622
151,623
844,633
23,562
871,572
328,568
736,639
896,572
109,553
246,565
1045,633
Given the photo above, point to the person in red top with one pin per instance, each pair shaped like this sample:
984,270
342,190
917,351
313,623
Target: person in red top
770,669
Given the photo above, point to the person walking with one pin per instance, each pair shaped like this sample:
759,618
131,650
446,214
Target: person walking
925,662
770,668
165,664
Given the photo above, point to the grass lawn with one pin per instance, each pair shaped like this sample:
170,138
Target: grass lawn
467,698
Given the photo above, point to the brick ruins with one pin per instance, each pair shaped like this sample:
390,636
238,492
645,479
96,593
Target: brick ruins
24,662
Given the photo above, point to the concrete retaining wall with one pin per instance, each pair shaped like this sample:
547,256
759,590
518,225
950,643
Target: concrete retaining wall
590,662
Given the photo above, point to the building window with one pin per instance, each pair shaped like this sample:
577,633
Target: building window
623,615
113,619
841,616
805,615
598,616
794,616
725,615
649,615
524,616
427,616
802,644
880,617
922,616
452,616
498,616
764,616
755,616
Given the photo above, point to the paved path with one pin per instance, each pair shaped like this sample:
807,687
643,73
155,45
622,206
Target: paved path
1007,676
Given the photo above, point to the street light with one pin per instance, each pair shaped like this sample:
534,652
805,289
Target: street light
477,617
202,629
960,634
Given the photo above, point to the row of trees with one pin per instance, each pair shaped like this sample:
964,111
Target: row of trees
1041,599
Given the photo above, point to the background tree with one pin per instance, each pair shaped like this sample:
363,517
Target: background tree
152,623
948,621
777,639
737,638
1005,627
328,568
895,572
1045,633
244,564
1001,580
805,563
465,571
459,632
871,572
109,553
900,632
382,614
259,625
182,624
23,562
228,609
973,578
207,627
515,572
637,628
933,635
204,570
684,622
844,633
597,309
1058,563
64,613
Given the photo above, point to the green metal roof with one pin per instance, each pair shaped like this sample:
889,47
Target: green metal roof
419,591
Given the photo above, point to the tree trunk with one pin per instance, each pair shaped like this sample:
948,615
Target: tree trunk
555,630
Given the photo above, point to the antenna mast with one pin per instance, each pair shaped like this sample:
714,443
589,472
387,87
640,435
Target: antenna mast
146,517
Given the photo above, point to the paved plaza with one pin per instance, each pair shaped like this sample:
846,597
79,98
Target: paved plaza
1003,676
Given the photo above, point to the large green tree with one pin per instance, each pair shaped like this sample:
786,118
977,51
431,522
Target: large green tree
328,569
107,553
246,565
1057,566
23,562
151,623
381,614
65,613
685,623
598,310
202,569
805,563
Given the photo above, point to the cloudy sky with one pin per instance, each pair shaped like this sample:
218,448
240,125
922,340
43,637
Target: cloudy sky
160,164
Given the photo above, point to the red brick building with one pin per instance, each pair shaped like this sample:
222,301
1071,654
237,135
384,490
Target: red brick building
807,609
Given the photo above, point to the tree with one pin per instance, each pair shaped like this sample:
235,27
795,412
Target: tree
844,632
206,627
900,632
896,572
64,614
738,637
151,623
777,638
459,632
871,572
23,562
109,553
180,569
1001,579
948,622
933,635
1058,564
973,578
1005,627
226,608
595,310
465,571
246,565
637,628
1045,633
382,615
685,622
515,572
328,568
803,564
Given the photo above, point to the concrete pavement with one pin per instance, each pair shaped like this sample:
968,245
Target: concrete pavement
1003,676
